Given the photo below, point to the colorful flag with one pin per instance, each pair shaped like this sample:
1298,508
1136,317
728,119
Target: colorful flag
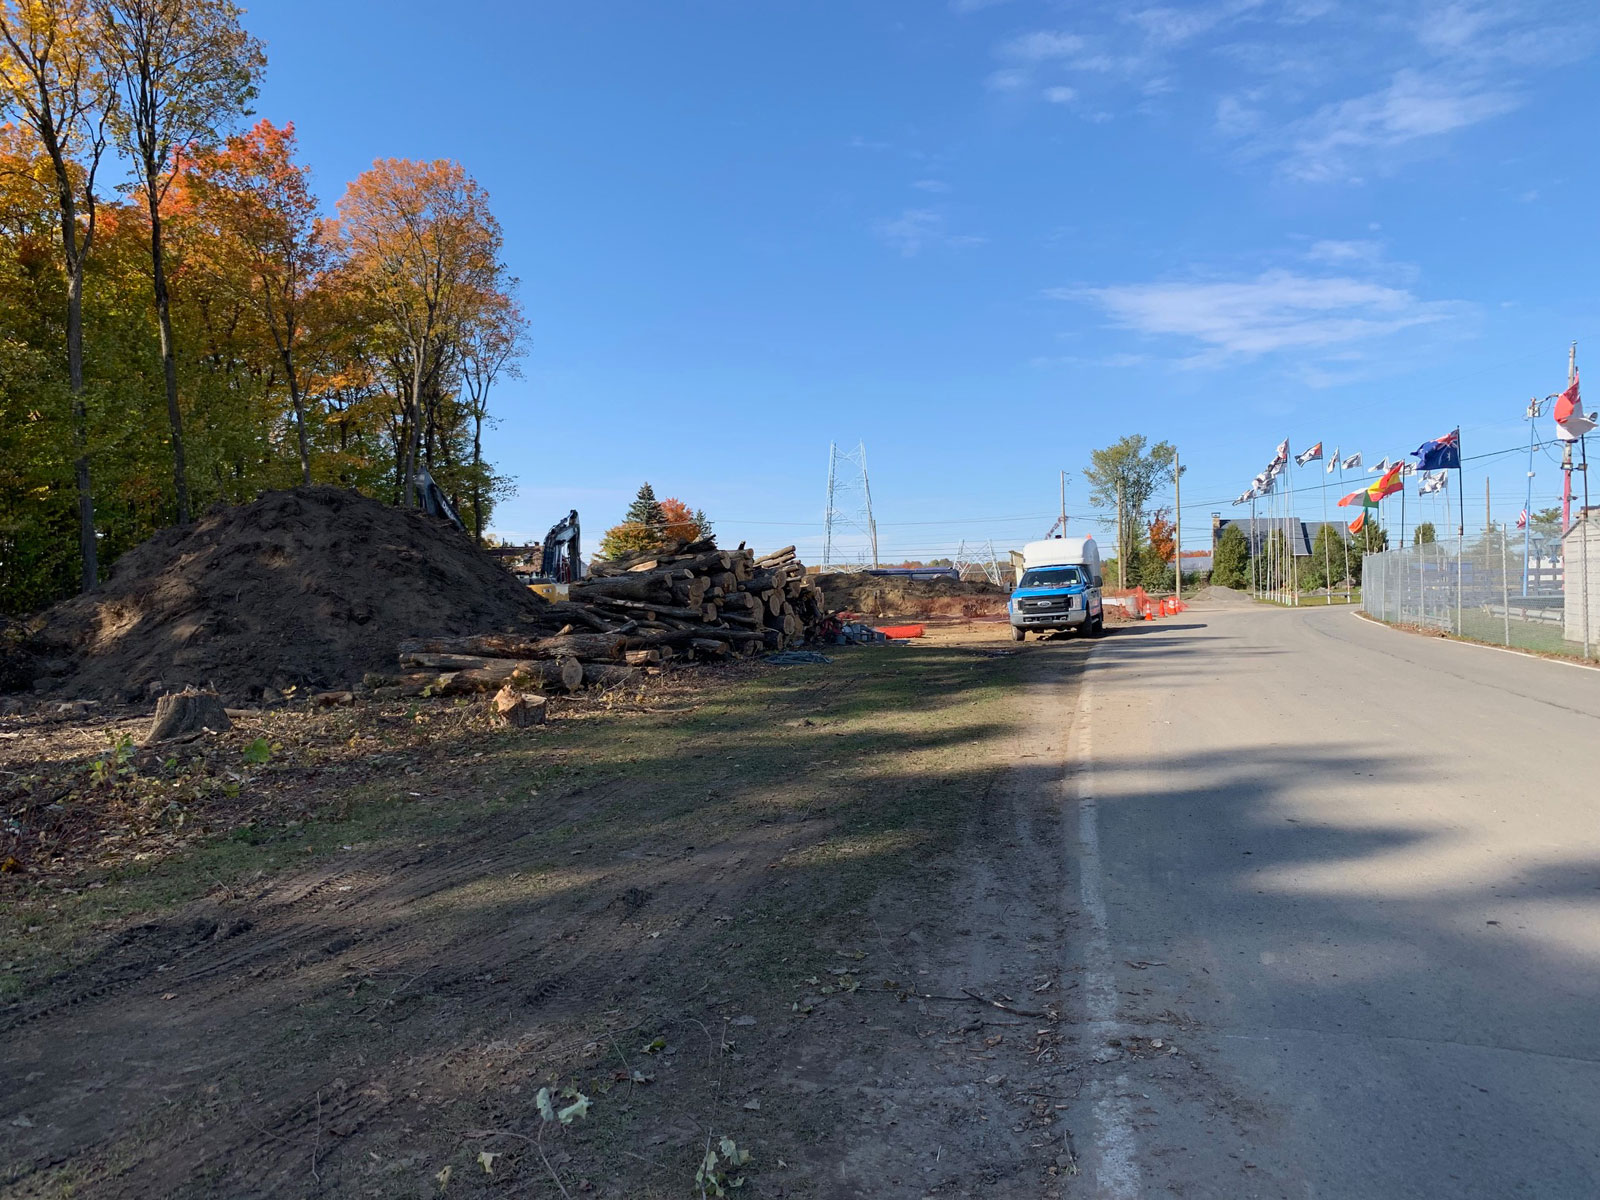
1571,421
1282,456
1359,523
1433,481
1522,519
1333,463
1312,455
1351,463
1442,454
1377,490
1388,485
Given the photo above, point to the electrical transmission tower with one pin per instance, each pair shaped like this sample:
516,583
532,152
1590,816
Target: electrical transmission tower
849,501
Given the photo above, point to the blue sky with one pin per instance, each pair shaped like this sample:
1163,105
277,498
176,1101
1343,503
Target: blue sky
986,236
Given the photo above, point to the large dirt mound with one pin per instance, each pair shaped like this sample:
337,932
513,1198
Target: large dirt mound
306,588
900,596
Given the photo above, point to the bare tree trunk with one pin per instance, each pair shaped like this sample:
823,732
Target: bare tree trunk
413,417
477,476
88,549
169,359
299,417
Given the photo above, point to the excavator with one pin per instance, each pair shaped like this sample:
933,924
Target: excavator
560,563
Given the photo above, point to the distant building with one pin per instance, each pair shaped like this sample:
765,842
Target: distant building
1196,561
1301,535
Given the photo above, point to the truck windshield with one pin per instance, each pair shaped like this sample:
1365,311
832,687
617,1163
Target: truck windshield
1051,577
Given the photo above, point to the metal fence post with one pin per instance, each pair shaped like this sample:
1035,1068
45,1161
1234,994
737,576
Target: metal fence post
1505,590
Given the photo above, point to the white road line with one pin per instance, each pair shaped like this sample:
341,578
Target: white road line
1116,1169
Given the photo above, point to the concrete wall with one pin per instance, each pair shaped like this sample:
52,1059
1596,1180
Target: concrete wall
1581,588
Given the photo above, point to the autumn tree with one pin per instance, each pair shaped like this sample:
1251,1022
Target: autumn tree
255,208
421,240
680,523
643,526
185,71
52,81
489,343
1124,477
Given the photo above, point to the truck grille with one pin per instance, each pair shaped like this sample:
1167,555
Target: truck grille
1048,604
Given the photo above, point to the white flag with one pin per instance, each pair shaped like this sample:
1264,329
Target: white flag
1433,482
1333,463
1351,463
1380,468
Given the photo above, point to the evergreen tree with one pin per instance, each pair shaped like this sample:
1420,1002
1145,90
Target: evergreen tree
1425,534
645,509
1230,565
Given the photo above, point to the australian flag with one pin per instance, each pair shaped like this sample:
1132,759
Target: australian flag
1443,454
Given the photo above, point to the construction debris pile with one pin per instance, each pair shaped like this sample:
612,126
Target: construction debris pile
689,602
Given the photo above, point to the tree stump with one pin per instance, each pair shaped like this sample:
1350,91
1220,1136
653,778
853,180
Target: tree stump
518,709
188,711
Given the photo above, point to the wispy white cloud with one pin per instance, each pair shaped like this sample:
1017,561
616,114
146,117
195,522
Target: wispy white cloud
931,185
1060,95
1041,46
1329,144
1335,252
1323,317
919,229
972,6
1320,91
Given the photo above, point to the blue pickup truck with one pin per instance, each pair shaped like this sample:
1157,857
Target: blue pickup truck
1059,588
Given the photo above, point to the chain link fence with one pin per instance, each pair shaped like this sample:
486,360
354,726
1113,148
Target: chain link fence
1478,587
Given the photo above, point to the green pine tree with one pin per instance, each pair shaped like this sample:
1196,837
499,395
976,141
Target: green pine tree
645,509
1230,566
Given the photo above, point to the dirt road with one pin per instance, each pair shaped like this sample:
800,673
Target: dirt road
1351,879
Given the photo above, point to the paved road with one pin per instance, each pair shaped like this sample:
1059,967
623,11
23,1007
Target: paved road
1353,877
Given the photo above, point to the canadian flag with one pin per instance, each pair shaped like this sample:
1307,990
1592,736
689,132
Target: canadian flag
1571,421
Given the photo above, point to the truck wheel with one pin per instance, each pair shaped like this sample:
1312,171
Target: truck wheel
1095,627
1018,634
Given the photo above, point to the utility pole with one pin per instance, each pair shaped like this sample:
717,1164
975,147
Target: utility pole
866,488
1534,411
1566,451
1063,504
1177,519
1122,559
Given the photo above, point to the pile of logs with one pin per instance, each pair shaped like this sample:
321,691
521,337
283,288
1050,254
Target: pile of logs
692,602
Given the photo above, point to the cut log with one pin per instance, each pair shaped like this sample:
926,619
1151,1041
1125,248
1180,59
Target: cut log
777,556
608,674
188,711
563,673
642,658
635,606
707,648
603,647
517,709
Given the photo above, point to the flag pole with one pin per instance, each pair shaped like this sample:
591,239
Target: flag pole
1294,564
1255,592
1461,527
1327,558
1346,541
1583,549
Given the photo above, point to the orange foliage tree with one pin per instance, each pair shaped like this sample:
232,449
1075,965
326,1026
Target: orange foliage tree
1163,542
